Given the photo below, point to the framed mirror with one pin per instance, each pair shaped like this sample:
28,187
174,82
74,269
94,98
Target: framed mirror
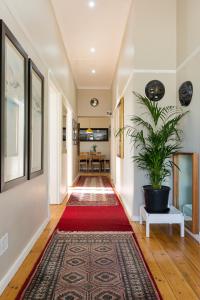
185,188
14,98
36,121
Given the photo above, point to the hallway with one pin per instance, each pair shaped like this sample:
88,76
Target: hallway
99,105
176,274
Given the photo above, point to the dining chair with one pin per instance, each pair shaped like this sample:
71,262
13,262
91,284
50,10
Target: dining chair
96,162
83,162
107,165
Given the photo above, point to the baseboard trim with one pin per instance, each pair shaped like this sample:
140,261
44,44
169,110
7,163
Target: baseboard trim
135,218
194,236
14,268
75,179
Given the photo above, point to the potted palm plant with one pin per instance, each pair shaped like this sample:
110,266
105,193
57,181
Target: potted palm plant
156,137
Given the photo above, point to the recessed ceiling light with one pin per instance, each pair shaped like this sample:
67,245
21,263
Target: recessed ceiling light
93,71
91,4
92,50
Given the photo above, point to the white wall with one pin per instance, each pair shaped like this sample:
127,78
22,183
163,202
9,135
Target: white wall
148,52
24,209
84,107
38,21
188,68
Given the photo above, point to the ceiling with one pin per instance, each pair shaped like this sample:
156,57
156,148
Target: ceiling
101,27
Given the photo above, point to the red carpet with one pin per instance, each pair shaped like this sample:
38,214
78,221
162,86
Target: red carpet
102,218
91,218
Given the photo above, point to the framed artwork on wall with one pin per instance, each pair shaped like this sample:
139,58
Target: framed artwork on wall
14,100
36,121
64,134
120,124
74,132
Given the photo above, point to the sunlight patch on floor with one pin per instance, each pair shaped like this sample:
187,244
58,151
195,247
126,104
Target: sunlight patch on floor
91,190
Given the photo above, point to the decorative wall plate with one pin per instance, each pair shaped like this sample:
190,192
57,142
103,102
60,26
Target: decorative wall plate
185,93
94,102
155,90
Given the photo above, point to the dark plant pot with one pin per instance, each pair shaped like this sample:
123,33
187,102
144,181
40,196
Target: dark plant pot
156,201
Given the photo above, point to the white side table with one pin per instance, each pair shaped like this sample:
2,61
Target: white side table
174,216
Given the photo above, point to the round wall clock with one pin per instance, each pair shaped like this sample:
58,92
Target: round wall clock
155,90
94,102
185,93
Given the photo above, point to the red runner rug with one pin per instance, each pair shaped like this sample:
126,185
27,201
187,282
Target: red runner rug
92,191
88,219
95,218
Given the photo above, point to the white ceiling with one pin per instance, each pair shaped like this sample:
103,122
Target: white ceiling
101,27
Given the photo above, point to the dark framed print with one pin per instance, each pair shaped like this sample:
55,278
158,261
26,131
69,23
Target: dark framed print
97,135
14,105
36,121
74,132
64,135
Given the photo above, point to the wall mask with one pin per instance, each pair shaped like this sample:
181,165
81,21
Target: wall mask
94,102
155,90
185,93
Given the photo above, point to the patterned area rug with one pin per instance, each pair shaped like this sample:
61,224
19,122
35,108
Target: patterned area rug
93,191
91,266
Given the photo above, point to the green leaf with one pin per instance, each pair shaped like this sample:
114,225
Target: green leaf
156,136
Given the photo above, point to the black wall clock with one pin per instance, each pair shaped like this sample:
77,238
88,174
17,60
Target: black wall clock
185,93
155,90
94,102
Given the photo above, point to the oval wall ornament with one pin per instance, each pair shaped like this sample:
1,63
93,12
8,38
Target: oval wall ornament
185,93
155,90
94,102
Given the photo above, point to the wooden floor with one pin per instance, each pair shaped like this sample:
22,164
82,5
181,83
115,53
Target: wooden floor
173,261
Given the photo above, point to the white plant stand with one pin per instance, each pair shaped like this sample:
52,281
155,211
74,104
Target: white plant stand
174,216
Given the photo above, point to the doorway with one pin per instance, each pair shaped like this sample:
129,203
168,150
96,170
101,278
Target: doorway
94,144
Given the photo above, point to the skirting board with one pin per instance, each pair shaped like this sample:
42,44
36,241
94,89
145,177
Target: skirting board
11,272
194,236
75,179
135,218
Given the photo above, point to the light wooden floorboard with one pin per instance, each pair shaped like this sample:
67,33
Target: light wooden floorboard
173,261
169,252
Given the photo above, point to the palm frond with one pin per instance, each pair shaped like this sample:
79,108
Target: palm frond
157,139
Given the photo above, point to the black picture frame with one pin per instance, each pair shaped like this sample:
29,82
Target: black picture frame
6,34
33,68
85,137
74,132
64,134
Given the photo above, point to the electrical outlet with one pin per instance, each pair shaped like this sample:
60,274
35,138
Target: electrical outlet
3,244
